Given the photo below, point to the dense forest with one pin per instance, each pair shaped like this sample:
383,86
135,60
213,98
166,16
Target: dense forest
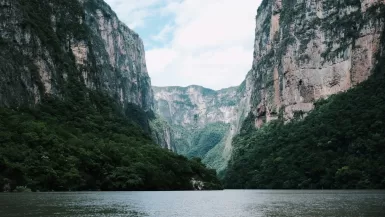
203,140
89,145
82,139
340,144
76,138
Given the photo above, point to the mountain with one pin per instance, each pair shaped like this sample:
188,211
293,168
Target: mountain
308,50
203,121
40,50
77,110
309,113
76,104
317,99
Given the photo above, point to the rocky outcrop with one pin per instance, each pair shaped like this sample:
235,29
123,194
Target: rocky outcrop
308,50
45,45
61,48
197,184
196,106
162,133
198,116
304,51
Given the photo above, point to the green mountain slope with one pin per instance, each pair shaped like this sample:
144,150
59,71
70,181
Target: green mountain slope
89,145
72,113
340,144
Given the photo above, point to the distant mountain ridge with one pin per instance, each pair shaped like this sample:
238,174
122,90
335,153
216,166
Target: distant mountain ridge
304,51
203,121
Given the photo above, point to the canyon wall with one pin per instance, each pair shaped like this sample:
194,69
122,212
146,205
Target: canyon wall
203,121
306,50
78,39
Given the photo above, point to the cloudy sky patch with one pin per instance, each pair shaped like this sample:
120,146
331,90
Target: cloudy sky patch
203,42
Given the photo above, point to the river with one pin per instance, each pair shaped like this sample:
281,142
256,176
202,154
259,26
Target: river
228,203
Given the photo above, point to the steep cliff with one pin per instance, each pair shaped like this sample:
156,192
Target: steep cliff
196,106
203,121
304,51
76,104
309,50
162,133
317,100
46,44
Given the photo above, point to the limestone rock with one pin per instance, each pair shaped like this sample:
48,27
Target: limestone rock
191,110
43,42
306,50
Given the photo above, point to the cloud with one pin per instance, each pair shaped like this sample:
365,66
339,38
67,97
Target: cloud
133,12
160,59
204,42
163,34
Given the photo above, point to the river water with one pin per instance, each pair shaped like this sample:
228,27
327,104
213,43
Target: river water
229,203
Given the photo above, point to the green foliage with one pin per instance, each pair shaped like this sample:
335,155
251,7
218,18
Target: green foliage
138,116
338,145
288,13
50,25
346,27
207,138
88,145
82,140
242,87
67,21
207,92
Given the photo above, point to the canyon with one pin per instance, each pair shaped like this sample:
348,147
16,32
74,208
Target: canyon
304,52
203,121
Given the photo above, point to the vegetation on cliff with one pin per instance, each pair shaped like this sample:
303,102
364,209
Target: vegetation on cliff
75,138
88,145
205,139
200,120
340,144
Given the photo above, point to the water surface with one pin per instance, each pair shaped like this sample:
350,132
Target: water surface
239,203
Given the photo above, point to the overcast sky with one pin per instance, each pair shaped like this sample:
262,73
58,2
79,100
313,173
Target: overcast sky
203,42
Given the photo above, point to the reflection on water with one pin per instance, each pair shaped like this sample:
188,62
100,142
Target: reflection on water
195,204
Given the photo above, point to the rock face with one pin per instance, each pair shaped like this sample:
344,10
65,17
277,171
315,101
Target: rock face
45,44
306,50
49,48
203,121
162,133
196,106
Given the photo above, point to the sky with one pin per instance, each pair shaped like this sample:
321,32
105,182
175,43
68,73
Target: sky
193,42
